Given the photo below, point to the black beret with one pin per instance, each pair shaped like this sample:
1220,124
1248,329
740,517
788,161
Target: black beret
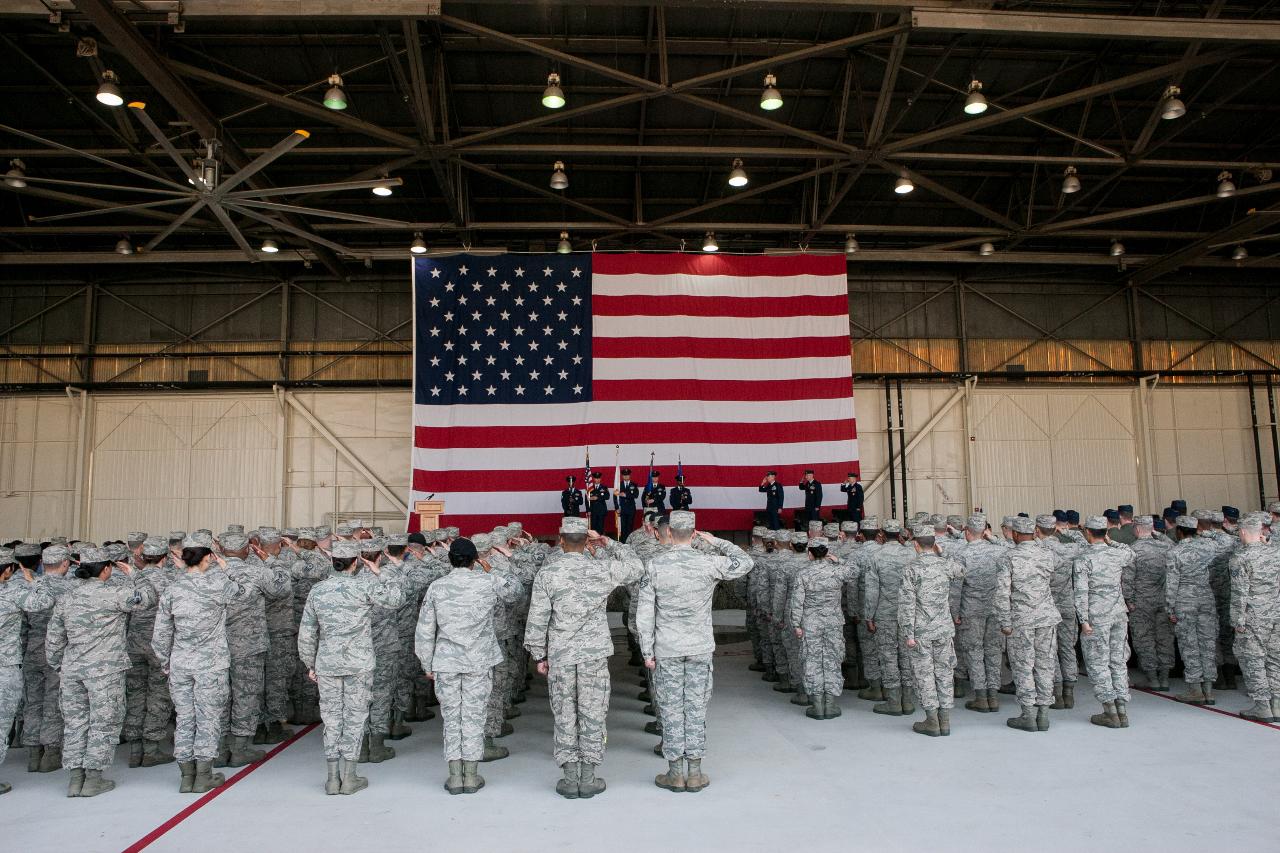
1073,517
1111,515
463,548
1126,509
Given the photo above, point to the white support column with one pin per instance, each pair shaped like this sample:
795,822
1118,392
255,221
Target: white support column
346,454
1142,423
84,465
282,460
919,437
970,451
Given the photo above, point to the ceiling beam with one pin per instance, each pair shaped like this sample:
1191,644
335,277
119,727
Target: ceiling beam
1109,27
1253,222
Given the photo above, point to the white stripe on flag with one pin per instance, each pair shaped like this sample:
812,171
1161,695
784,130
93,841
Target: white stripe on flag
643,284
570,457
632,411
516,504
798,369
749,328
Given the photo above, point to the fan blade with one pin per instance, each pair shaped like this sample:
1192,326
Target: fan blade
114,187
140,112
174,226
289,229
315,211
263,160
146,205
233,231
104,161
322,188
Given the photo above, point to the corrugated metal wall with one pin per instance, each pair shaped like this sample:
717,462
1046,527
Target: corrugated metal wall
163,461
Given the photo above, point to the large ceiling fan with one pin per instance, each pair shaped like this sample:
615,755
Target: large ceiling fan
206,188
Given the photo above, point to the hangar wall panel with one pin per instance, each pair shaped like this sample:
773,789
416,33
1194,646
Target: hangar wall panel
38,464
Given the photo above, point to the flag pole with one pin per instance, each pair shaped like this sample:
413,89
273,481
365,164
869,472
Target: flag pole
617,504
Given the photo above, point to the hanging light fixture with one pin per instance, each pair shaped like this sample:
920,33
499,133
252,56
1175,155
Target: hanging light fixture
986,250
559,180
270,247
564,247
553,95
770,98
975,103
903,185
738,177
850,245
383,191
124,247
1117,249
1070,182
16,177
1226,187
335,98
109,90
418,246
1171,106
1239,253
709,243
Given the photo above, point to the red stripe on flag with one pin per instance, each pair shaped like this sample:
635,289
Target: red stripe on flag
781,390
650,432
551,480
719,347
719,306
745,266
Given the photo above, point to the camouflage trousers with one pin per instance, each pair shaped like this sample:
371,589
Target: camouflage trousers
580,704
1152,638
822,650
199,700
795,656
895,665
410,668
10,696
933,663
753,634
35,693
344,710
781,664
464,698
1197,633
765,637
981,644
1068,668
1033,654
93,714
500,695
1106,658
303,692
244,711
683,688
1257,649
282,658
147,702
867,651
386,677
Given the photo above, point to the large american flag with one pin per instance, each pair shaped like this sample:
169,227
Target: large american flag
524,363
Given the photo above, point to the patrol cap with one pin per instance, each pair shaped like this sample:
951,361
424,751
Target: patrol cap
816,524
59,540
1007,520
977,523
343,530
782,535
938,520
1109,515
177,535
1125,509
345,550
1201,514
371,545
136,537
682,519
831,530
95,555
395,540
482,541
463,548
417,538
799,539
1252,522
1188,522
235,528
516,527
770,536
1022,524
231,541
26,549
356,523
1073,516
269,537
923,531
116,551
323,531
956,521
1145,520
870,523
572,524
1096,522
308,533
452,532
1231,512
54,554
892,525
154,546
1047,522
1216,516
848,527
6,556
197,539
376,531
205,530
1274,506
290,532
818,542
758,530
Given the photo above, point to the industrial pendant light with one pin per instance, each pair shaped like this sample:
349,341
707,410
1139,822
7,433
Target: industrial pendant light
1070,182
383,191
335,98
770,98
270,247
738,177
109,90
1172,106
975,103
1226,187
1239,253
124,247
903,185
553,95
418,246
559,180
16,177
709,243
851,245
1117,249
986,250
563,247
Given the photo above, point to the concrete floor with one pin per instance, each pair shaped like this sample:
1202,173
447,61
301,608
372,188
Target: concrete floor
780,781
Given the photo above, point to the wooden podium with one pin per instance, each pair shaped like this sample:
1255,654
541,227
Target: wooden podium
428,513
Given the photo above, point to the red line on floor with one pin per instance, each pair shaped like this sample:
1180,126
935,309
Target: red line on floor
152,836
1151,692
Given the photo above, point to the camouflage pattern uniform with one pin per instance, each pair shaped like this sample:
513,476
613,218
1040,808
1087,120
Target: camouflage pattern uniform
335,639
282,631
455,641
568,628
674,619
927,609
1189,596
87,644
814,607
1098,573
303,691
16,597
148,705
856,597
1024,604
1067,671
1255,616
419,574
504,626
1149,620
980,641
880,605
385,630
42,711
759,605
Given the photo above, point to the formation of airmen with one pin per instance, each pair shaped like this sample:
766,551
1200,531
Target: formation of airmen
194,647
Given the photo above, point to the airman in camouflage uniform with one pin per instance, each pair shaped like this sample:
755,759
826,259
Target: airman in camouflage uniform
814,612
335,643
312,545
422,567
980,642
1255,617
785,569
676,640
928,609
880,609
568,636
1192,609
385,631
458,648
776,584
1149,627
42,710
855,606
275,551
504,625
18,594
87,644
1104,621
1064,554
148,705
1028,616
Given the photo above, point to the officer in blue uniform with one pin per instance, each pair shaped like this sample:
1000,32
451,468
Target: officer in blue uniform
681,497
655,498
597,502
852,487
812,497
625,496
571,498
774,500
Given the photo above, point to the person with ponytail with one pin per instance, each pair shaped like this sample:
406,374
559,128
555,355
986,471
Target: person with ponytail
20,593
87,644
